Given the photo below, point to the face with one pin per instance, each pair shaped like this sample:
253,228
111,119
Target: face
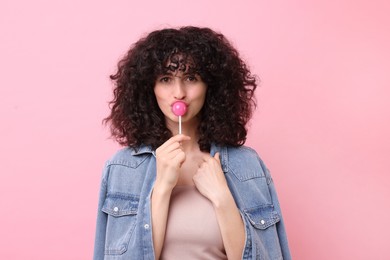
183,86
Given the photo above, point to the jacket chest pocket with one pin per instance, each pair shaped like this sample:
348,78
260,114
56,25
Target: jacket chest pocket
264,219
122,212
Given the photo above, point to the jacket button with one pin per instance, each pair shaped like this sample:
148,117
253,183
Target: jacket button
262,222
146,226
116,209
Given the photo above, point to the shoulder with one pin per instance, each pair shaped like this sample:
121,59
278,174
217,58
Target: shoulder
245,163
242,152
130,157
126,170
248,178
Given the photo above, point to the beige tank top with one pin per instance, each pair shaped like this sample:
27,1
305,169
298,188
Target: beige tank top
192,228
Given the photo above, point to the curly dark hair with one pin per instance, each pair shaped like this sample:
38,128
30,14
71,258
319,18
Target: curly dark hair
135,116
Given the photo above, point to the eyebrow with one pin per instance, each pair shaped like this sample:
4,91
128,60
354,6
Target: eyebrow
174,73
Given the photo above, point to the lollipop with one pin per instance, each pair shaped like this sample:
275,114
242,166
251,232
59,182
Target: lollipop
179,108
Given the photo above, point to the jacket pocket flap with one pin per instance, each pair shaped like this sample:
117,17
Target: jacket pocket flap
262,217
120,204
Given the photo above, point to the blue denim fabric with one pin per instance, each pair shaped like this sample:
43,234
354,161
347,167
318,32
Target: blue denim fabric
124,227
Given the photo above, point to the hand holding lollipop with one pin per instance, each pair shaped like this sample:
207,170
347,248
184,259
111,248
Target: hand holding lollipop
179,108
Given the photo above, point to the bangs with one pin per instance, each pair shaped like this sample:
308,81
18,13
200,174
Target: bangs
178,61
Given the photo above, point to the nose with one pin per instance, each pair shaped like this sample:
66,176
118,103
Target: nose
179,90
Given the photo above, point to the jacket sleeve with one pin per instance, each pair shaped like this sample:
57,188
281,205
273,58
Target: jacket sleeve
280,226
101,221
264,225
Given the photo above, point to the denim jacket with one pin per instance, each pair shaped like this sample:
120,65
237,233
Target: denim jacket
124,226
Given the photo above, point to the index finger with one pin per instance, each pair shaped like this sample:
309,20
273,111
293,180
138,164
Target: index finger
175,138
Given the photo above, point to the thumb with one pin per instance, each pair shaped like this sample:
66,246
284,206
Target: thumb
216,157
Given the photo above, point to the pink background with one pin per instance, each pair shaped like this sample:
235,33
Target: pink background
322,125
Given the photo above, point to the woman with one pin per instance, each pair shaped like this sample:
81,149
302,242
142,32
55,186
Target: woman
196,195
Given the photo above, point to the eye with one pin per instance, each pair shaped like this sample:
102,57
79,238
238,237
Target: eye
191,78
164,79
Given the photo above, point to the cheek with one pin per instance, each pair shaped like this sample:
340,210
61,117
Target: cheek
199,104
203,96
160,103
157,91
200,92
159,94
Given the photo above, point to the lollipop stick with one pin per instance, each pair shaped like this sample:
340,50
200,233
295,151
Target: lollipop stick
180,125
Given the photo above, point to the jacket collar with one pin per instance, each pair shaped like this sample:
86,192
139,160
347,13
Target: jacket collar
142,149
223,155
222,150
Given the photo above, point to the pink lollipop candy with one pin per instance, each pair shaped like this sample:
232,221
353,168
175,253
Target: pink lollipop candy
179,108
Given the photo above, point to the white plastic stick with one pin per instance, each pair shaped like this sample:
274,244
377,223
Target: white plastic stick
179,125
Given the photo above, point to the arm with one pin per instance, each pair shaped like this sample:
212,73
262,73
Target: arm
160,205
169,158
280,226
231,225
263,219
211,182
101,221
